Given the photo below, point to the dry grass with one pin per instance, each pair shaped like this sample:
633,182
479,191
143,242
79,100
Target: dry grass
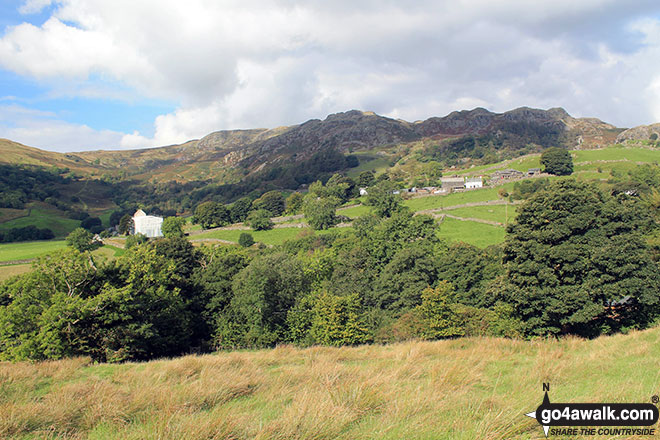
474,388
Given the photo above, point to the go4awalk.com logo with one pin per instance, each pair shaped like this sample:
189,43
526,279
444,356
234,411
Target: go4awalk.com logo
595,418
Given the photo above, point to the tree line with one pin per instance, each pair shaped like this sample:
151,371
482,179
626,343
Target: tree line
577,260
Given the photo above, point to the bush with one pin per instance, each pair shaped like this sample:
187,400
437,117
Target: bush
173,227
245,239
82,240
135,240
259,220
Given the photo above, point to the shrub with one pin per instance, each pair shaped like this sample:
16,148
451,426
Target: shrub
245,239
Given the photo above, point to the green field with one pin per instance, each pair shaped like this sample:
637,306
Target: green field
462,389
271,237
27,250
477,234
495,213
459,198
525,163
378,164
618,153
43,217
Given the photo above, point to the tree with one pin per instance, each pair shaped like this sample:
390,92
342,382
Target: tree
557,161
402,280
210,214
82,240
294,203
383,200
240,209
338,320
125,224
173,227
320,213
263,294
439,320
92,224
573,253
366,179
259,220
272,201
245,239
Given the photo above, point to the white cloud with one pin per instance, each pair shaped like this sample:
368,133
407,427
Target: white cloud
33,6
229,65
44,130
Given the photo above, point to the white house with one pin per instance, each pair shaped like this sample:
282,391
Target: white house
148,225
473,182
363,191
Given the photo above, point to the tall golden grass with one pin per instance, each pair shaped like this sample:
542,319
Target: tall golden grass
473,388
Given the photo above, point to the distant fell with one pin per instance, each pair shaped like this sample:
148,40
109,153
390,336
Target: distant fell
229,155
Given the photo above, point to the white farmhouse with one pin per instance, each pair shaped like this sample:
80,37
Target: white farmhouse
148,225
474,182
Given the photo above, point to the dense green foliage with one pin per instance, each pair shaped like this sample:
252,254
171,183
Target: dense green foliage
25,233
245,239
125,224
239,210
173,227
21,184
259,220
272,201
557,161
320,213
81,240
211,214
382,199
577,262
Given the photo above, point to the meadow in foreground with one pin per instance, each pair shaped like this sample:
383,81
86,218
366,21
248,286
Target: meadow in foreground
472,388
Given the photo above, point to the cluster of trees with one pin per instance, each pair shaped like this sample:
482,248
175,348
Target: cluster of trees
319,205
25,233
576,261
20,184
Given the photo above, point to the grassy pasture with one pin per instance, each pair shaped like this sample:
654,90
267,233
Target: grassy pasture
495,213
463,389
42,216
379,164
631,154
478,234
27,250
459,198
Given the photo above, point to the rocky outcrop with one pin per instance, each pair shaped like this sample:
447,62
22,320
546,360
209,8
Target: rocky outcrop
640,133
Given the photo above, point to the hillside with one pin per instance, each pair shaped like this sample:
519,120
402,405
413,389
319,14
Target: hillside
456,389
228,156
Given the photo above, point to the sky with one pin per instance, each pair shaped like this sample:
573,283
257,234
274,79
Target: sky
81,75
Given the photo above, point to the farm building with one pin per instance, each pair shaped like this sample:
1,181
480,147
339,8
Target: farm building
148,225
452,183
473,182
507,174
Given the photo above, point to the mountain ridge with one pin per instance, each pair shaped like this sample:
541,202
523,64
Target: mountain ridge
229,154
